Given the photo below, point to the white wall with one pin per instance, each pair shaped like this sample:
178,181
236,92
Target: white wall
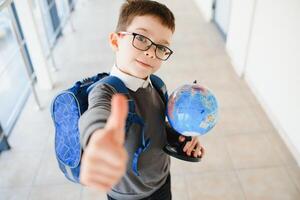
239,32
205,7
263,42
273,65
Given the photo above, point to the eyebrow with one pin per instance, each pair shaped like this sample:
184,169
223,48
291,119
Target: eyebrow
145,30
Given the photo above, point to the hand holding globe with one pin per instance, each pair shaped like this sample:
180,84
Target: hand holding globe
192,110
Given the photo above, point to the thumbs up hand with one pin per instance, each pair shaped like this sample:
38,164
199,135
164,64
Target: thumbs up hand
104,160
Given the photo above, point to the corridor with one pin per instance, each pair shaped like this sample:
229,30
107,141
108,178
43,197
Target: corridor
245,156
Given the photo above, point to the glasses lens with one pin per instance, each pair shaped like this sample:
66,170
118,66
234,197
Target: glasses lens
141,42
163,52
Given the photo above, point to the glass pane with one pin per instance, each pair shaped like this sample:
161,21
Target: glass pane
41,24
44,20
8,40
14,84
63,10
54,18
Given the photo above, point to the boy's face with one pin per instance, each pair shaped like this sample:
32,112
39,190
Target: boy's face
136,62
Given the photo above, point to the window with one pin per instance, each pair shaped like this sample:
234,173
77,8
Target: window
14,68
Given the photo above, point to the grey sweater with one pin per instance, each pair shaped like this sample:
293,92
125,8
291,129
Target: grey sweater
154,164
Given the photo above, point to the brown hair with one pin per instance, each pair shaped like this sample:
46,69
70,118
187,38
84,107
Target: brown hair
133,8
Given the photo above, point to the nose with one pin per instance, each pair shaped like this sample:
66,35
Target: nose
150,52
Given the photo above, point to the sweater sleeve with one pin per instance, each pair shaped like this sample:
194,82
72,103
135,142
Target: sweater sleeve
98,111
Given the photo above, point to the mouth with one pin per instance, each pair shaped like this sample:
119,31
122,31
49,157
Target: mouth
143,64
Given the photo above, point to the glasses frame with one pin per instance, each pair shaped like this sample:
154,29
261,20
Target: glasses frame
152,43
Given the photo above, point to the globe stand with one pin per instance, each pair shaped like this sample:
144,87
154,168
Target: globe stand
174,148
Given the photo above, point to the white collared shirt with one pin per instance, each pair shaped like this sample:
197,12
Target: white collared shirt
133,83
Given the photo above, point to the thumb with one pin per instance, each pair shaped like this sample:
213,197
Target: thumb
117,119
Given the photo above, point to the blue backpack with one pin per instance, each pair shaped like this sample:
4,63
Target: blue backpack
70,104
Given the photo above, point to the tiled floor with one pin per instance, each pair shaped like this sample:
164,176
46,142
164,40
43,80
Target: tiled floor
245,159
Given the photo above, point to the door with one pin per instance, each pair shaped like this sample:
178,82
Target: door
221,15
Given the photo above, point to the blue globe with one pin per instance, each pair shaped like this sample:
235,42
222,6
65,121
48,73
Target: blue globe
192,110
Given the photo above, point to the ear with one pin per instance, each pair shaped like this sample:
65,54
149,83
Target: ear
113,41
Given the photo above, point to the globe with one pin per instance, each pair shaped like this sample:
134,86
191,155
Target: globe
192,110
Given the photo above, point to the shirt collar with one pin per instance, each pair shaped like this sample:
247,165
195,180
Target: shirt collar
133,83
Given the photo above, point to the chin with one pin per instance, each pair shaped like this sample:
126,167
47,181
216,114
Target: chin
141,73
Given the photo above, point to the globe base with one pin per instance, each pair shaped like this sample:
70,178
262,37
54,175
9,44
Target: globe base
176,151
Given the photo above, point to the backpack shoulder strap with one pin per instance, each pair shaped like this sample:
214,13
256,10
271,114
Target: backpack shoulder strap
119,86
160,86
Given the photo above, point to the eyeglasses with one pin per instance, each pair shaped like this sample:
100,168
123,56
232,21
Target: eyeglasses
143,43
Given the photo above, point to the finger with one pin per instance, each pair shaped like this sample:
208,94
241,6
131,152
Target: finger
115,158
100,166
119,111
192,146
103,179
181,138
87,176
186,146
202,152
117,118
99,185
197,151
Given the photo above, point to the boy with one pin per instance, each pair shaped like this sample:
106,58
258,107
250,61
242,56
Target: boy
141,43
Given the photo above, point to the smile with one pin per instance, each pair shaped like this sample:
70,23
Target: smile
144,64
